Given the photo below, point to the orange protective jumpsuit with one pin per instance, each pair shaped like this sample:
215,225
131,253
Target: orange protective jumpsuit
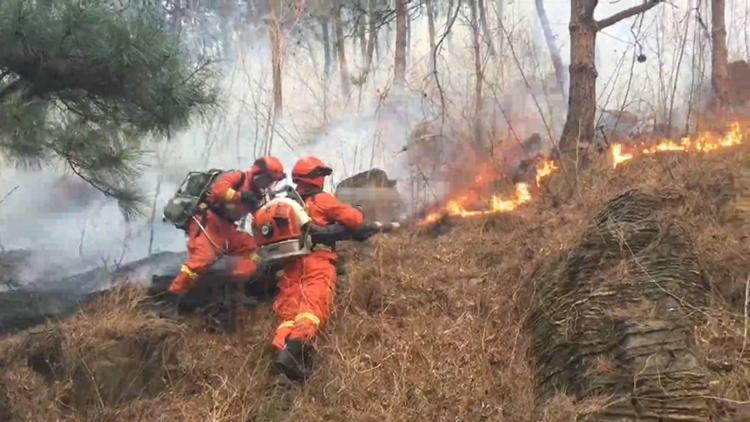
219,234
306,291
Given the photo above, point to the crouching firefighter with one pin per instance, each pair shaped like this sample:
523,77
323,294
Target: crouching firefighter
305,298
220,201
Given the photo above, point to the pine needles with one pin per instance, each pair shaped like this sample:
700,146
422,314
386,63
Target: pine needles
85,83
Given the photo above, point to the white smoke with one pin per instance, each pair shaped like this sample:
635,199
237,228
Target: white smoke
369,129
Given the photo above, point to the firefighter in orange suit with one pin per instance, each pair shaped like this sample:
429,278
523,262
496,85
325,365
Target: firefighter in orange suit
306,290
213,232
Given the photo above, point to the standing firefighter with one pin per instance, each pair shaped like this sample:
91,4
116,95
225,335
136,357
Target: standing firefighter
213,231
306,290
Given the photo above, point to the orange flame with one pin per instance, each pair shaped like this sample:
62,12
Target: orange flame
497,204
619,153
703,142
544,169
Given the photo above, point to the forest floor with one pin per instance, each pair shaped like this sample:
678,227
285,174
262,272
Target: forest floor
429,324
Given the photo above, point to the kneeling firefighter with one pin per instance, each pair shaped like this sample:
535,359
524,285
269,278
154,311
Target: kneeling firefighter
306,290
213,231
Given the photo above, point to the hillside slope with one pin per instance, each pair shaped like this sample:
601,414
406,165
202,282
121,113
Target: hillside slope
430,324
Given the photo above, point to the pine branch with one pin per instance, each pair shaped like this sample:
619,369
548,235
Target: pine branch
94,82
635,10
10,88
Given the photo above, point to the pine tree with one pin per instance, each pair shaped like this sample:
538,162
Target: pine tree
85,82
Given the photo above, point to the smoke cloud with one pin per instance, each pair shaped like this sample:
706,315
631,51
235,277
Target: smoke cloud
71,227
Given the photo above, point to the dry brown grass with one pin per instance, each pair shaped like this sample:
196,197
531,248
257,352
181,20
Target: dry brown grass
426,326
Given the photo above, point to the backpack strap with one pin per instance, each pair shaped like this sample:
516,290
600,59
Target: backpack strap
310,194
243,176
320,246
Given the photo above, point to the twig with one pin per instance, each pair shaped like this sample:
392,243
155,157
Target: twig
153,215
744,334
83,236
10,192
677,74
528,86
438,46
617,17
724,399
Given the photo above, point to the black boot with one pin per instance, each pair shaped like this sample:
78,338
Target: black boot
295,361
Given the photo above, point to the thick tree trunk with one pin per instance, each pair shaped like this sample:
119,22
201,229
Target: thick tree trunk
478,109
579,124
340,50
431,31
719,56
554,51
399,68
485,28
275,34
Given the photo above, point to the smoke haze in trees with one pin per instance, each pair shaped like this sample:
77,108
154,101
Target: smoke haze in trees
73,228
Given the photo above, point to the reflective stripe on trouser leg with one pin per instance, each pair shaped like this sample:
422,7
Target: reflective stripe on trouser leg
282,332
184,281
309,316
190,273
305,326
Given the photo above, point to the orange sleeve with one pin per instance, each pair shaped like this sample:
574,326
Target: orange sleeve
223,189
339,212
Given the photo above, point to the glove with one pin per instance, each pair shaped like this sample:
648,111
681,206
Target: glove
249,199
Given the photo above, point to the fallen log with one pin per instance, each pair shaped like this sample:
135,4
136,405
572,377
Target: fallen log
33,302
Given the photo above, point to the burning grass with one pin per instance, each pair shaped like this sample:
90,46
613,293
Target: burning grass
429,324
472,201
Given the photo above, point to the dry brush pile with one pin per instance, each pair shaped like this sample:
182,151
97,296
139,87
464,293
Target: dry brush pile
431,324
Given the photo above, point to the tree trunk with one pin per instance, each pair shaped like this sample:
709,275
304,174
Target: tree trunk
361,30
554,51
176,19
485,28
431,30
448,17
326,48
579,124
501,43
275,34
399,68
478,73
408,37
719,56
372,37
340,49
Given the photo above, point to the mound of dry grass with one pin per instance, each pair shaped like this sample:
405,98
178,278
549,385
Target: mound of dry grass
428,324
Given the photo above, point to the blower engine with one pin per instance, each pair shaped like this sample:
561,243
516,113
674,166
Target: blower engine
283,229
281,226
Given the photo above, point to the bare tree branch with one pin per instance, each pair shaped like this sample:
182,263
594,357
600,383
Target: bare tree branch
617,17
9,194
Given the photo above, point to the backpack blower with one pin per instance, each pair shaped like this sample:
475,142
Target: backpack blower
283,229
